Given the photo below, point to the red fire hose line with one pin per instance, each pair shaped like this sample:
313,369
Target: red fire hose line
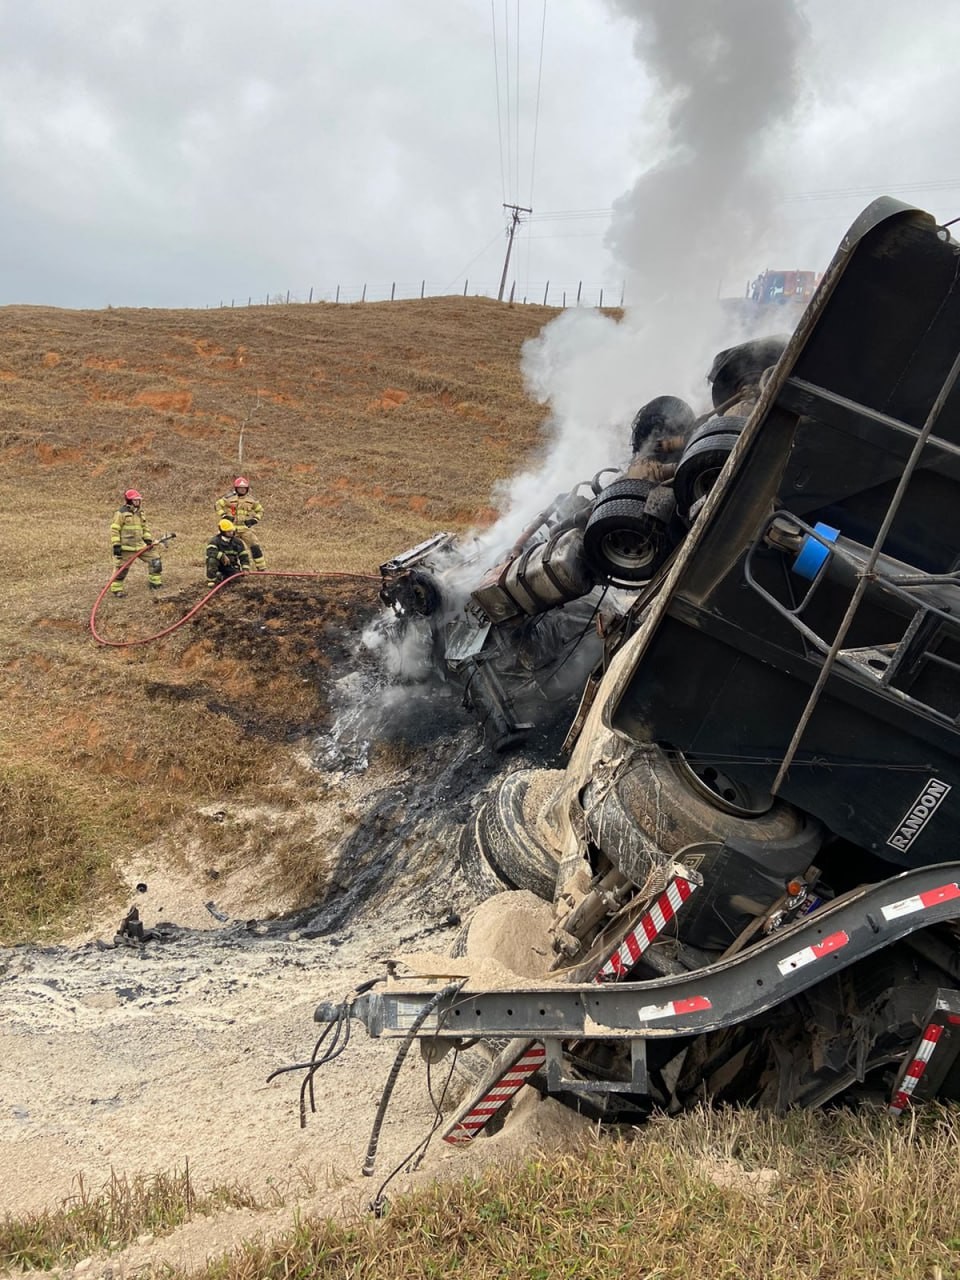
269,573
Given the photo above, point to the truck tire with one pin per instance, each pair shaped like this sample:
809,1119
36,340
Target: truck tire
663,416
741,366
505,831
624,488
699,468
653,811
718,425
481,878
624,544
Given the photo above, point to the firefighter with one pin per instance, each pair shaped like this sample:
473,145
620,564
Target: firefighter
226,554
246,513
129,533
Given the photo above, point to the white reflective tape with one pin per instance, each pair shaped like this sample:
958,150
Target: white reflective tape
407,1012
817,951
905,907
921,901
658,918
915,1069
675,1009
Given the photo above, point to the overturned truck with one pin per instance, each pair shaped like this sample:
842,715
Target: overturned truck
752,853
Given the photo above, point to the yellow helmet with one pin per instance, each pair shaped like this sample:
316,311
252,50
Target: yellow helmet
227,526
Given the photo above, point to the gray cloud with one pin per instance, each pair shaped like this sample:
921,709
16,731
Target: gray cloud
169,153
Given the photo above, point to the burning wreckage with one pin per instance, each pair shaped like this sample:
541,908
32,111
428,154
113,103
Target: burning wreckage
520,637
750,854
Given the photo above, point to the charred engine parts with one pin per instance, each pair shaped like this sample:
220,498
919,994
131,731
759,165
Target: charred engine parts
506,633
543,576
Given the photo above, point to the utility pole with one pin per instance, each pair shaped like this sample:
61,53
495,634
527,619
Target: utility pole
517,210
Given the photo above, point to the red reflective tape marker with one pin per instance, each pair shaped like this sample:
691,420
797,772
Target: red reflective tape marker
914,1069
816,952
833,943
647,929
675,1009
694,1004
466,1129
921,901
943,894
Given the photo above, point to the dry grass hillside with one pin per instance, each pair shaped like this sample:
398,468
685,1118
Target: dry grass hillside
363,429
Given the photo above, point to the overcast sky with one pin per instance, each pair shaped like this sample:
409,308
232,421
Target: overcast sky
187,152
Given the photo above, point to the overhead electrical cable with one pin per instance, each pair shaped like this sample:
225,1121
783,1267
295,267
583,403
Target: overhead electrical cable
506,59
496,77
516,107
536,110
459,275
843,193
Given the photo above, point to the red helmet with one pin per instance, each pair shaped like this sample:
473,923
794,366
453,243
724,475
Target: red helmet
131,495
241,482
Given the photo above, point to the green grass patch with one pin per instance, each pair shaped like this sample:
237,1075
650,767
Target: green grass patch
109,1219
735,1195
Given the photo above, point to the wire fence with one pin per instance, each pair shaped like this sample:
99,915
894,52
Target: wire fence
544,293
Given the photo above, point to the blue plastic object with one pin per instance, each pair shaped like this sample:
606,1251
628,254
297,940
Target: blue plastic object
812,554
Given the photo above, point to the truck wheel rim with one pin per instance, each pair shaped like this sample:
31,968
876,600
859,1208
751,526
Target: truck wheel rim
628,550
728,794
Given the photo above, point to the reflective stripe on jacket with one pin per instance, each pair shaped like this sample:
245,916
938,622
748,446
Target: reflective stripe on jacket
225,549
239,510
129,529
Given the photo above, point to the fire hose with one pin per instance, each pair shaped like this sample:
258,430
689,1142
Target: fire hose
268,573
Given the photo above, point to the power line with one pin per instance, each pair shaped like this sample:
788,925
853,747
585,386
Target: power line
496,76
836,193
468,265
536,113
843,193
506,58
516,108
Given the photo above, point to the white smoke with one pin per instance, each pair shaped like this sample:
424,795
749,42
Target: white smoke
726,88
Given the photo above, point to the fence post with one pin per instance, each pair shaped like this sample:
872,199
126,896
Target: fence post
310,299
363,296
600,303
623,292
423,284
545,292
337,299
465,283
266,301
393,290
249,299
579,287
231,302
288,295
513,289
564,299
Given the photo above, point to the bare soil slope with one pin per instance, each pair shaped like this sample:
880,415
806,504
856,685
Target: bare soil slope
363,429
199,767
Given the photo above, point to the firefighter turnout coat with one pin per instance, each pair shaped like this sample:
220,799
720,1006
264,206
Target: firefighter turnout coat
129,530
240,508
226,555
